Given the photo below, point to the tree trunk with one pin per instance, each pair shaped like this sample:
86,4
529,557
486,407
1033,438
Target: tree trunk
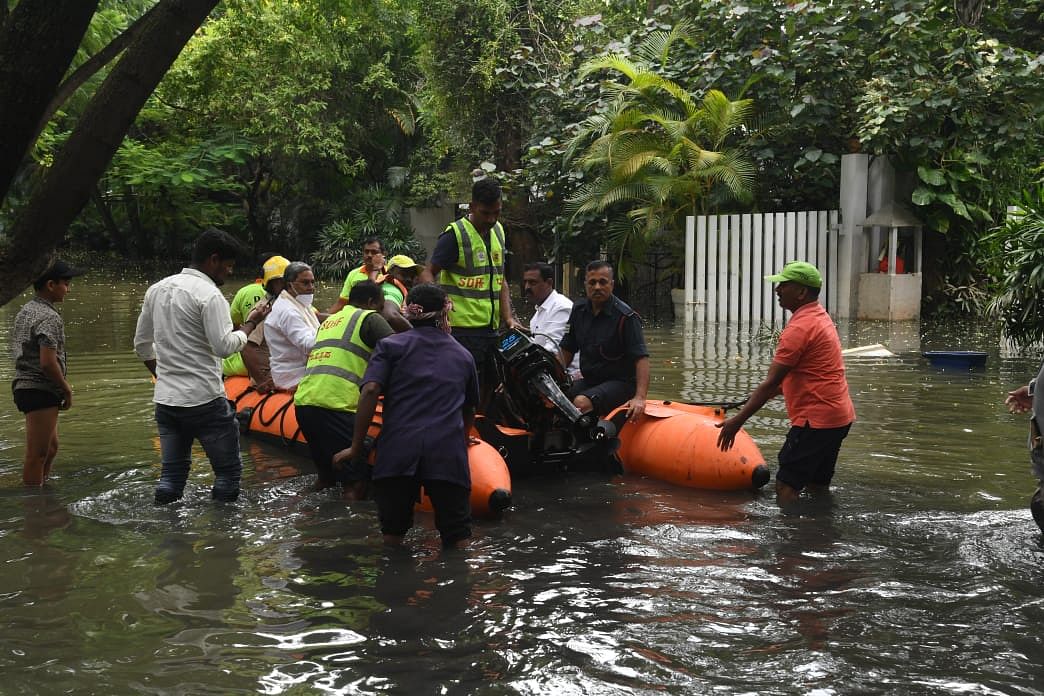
37,44
143,244
88,151
119,240
89,68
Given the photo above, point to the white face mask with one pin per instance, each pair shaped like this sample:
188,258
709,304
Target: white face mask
306,300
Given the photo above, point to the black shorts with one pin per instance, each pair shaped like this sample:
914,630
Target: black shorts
27,400
809,456
605,396
397,495
328,432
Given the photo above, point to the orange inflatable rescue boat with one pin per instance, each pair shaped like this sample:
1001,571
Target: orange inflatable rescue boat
678,443
672,441
273,415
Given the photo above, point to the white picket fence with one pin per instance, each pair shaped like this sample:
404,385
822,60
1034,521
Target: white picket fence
732,253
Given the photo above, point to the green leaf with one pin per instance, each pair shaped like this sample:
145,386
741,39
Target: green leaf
922,196
935,177
956,204
813,154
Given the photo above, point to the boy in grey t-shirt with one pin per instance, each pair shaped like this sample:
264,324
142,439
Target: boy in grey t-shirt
39,386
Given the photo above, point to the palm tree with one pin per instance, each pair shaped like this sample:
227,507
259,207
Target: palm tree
658,153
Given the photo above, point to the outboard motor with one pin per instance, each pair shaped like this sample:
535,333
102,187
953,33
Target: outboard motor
554,433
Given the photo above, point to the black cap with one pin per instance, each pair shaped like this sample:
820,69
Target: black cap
58,270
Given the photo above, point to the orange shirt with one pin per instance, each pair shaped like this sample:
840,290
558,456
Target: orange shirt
815,389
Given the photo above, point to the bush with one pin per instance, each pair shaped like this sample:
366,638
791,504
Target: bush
1020,241
376,212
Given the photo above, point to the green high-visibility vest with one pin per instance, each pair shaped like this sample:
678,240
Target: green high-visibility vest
474,281
336,364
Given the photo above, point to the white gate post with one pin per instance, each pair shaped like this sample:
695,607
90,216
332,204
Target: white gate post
690,266
854,170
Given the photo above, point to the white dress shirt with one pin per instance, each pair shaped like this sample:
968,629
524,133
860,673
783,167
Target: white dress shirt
185,327
549,323
550,319
290,332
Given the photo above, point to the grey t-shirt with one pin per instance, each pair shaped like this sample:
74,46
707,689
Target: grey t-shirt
37,324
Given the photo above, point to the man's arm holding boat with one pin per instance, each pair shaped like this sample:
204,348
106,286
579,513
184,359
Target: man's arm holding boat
770,387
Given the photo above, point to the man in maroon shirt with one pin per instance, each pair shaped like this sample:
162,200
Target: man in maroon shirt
809,371
430,390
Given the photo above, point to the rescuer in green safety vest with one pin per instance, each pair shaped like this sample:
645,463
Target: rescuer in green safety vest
468,264
328,394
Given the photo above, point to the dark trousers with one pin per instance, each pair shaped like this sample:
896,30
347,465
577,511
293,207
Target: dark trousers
214,425
328,432
809,456
483,348
397,495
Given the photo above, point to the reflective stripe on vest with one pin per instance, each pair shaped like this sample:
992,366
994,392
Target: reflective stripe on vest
336,363
475,280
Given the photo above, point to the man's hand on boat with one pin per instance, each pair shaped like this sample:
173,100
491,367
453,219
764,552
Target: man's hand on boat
635,409
727,436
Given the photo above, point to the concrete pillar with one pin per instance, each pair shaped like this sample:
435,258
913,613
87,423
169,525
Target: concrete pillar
428,224
853,204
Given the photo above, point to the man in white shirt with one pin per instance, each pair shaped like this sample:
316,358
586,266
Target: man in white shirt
183,332
551,316
290,330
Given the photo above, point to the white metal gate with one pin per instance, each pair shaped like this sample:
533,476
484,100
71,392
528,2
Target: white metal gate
729,255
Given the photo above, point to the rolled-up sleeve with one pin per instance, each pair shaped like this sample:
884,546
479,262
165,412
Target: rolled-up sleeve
217,324
634,339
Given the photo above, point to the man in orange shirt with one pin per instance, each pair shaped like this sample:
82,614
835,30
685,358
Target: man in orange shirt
809,372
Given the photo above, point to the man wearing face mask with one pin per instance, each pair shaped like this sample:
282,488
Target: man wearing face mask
291,327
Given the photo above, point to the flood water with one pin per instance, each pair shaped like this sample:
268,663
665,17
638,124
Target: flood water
924,577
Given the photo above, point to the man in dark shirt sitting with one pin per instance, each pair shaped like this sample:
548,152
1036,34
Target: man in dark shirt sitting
613,358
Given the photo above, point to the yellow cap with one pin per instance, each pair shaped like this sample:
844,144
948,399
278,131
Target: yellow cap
402,261
274,268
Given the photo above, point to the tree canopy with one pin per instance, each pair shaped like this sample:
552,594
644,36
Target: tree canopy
279,119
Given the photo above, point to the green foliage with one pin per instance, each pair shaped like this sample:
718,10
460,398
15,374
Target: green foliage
278,114
377,211
489,68
313,79
958,106
1020,241
657,153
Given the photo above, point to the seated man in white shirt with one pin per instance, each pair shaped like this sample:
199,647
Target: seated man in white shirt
551,316
291,327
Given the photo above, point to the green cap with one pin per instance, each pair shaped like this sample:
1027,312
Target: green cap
800,272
